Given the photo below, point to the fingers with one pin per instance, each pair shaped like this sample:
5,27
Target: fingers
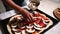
29,18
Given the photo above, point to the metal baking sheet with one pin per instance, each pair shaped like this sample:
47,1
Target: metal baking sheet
3,23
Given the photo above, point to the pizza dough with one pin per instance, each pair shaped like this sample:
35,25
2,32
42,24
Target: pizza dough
18,25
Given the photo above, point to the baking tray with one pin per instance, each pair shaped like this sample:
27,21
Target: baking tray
3,23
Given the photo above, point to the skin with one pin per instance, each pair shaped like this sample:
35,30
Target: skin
26,14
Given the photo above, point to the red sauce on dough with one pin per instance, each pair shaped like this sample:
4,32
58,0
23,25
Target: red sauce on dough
38,21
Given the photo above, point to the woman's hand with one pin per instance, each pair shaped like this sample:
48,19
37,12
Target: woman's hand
28,16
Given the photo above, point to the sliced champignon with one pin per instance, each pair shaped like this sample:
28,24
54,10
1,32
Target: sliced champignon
44,21
30,30
13,29
29,26
37,25
23,27
13,26
17,32
47,21
37,28
23,32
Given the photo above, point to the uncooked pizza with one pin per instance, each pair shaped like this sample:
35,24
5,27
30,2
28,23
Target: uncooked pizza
18,24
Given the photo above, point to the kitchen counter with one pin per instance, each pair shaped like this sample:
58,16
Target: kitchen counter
45,6
48,7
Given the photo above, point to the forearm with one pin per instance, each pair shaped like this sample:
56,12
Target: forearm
15,6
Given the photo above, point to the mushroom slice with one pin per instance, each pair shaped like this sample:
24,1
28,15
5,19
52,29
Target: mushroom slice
23,32
13,26
29,26
23,27
37,25
30,30
14,29
17,32
19,18
37,28
45,21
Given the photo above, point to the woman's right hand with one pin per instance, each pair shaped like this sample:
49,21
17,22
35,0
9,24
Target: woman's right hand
28,16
